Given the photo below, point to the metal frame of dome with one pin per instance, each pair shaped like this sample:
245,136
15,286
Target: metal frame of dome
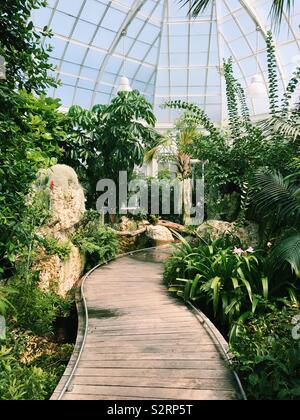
89,56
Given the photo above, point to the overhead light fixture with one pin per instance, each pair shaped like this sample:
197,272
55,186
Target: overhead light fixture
257,87
124,85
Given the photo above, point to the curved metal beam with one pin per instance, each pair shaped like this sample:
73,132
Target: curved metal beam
252,13
137,5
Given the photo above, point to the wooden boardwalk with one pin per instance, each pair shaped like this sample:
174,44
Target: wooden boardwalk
141,342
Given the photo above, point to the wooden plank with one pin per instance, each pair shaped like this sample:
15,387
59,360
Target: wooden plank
80,397
192,373
142,392
221,384
149,346
204,357
157,364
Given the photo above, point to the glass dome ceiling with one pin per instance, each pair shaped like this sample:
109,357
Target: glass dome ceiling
164,53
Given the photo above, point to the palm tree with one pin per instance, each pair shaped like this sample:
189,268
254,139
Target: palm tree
186,132
277,10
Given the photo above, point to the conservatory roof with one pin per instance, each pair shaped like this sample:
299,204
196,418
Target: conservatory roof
164,53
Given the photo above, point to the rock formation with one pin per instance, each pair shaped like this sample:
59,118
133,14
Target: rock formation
60,187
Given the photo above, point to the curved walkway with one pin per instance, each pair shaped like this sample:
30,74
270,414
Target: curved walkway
141,342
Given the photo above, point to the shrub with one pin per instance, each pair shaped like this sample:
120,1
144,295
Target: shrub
225,280
34,309
31,131
266,356
98,242
30,367
54,246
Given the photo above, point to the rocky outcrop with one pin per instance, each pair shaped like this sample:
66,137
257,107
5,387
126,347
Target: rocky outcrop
128,242
248,234
60,187
65,194
60,276
159,234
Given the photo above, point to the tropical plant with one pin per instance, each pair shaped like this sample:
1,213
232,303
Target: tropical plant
225,280
30,366
97,242
277,10
266,356
175,147
272,75
32,131
5,292
33,309
277,203
110,139
54,246
234,156
26,59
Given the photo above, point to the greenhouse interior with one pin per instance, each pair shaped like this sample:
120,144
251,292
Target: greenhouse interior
150,202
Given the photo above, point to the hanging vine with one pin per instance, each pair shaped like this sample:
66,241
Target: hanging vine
290,90
199,116
272,75
232,102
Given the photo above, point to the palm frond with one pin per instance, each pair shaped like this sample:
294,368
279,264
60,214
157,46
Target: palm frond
277,197
163,142
278,9
197,6
287,252
286,127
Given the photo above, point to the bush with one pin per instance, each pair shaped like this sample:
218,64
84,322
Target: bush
54,246
30,367
34,309
98,242
31,131
223,279
266,356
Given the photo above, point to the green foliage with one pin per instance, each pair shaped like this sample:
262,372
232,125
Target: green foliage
5,292
236,155
272,74
290,90
26,59
221,277
232,101
279,7
30,368
266,357
54,246
31,131
278,205
34,309
98,242
199,116
196,7
164,174
109,139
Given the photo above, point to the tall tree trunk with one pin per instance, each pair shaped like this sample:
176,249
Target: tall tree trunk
184,173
